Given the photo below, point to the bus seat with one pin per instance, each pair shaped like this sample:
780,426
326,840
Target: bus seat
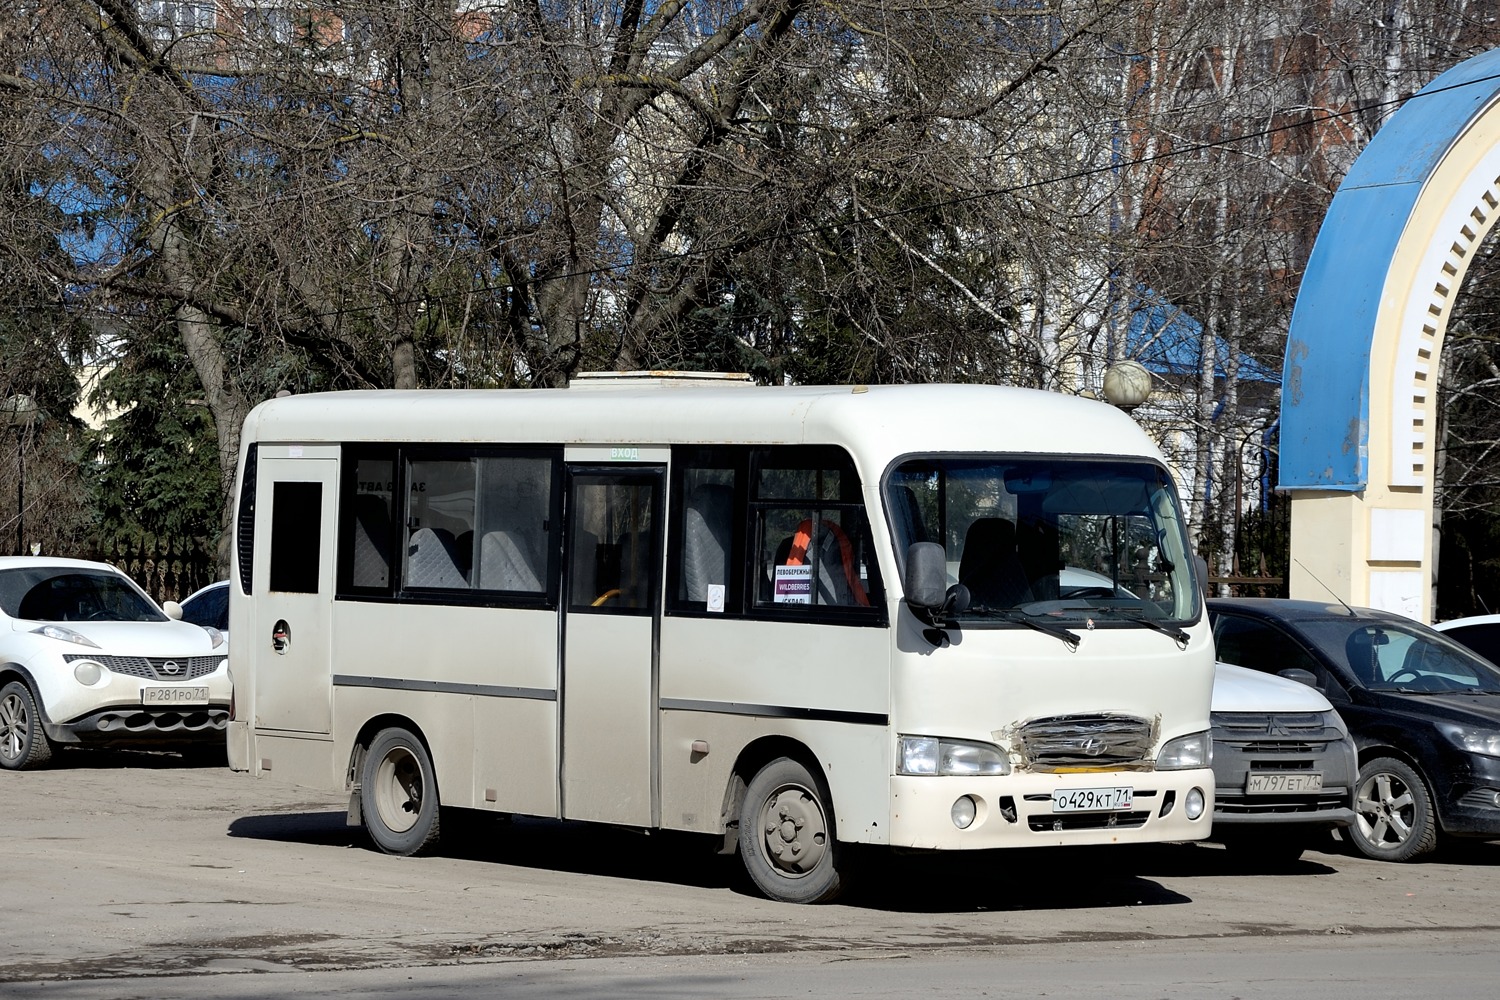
990,566
635,569
907,517
372,541
505,563
706,527
430,562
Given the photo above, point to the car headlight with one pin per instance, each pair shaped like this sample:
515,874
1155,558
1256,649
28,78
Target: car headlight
214,634
1480,741
1192,750
65,634
931,755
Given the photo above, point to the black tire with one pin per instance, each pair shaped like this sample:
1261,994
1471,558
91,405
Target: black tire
23,743
1393,818
398,794
787,842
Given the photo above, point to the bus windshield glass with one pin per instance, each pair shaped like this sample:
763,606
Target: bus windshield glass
1056,539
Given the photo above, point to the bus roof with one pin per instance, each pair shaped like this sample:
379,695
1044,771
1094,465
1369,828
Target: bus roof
877,422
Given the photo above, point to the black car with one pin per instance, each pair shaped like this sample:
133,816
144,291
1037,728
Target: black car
1424,712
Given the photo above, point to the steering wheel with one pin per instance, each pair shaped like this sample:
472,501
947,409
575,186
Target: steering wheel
607,595
1097,593
1406,672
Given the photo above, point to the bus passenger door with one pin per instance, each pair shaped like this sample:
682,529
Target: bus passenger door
292,589
609,681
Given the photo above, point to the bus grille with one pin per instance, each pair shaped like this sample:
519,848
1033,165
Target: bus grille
156,668
1085,741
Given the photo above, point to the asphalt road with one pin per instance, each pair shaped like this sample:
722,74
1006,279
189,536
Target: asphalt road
136,875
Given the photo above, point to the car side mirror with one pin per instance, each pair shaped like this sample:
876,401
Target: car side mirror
173,610
926,584
1299,675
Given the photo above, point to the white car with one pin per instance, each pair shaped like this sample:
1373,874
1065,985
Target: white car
1284,764
87,658
1481,633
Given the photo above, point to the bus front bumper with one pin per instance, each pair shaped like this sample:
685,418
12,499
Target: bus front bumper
1038,810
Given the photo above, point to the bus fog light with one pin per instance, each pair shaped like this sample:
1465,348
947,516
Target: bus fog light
964,811
87,672
1193,803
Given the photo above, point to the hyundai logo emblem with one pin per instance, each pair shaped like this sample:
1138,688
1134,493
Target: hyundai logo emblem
171,668
1093,746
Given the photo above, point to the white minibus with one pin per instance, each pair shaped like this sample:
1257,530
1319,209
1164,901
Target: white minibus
945,617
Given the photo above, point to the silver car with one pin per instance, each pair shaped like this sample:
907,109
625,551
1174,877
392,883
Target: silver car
1284,765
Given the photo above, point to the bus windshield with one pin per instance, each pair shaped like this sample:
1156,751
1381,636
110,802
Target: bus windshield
1071,540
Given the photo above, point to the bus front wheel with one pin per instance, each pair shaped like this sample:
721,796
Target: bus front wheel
786,837
398,794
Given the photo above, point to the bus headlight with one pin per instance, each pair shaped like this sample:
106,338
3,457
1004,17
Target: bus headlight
932,755
1192,750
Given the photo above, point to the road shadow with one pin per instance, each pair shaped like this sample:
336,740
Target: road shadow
325,829
72,758
957,882
1015,880
1205,859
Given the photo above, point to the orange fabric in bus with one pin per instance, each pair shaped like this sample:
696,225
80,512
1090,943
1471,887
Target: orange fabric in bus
803,539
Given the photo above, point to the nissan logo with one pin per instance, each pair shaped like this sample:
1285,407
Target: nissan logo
171,668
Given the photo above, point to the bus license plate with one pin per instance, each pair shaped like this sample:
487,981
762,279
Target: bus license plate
1067,800
1283,782
197,695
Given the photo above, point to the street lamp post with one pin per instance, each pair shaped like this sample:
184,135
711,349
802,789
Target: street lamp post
20,413
1127,384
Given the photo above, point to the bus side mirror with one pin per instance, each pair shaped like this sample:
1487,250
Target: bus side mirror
926,583
1201,565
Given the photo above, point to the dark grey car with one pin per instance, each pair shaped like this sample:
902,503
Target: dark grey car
1284,765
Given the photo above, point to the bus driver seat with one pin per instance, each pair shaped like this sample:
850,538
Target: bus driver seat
991,567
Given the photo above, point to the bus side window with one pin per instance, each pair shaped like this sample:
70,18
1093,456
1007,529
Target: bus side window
809,517
440,523
513,516
295,542
705,551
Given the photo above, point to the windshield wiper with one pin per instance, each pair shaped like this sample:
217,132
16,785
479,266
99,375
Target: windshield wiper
1022,618
1139,616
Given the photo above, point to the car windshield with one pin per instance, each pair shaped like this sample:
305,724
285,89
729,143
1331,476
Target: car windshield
1050,538
65,594
1388,656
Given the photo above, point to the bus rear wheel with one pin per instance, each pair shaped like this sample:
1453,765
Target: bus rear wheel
786,841
398,794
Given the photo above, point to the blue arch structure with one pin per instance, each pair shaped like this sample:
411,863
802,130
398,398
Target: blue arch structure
1325,405
1359,443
